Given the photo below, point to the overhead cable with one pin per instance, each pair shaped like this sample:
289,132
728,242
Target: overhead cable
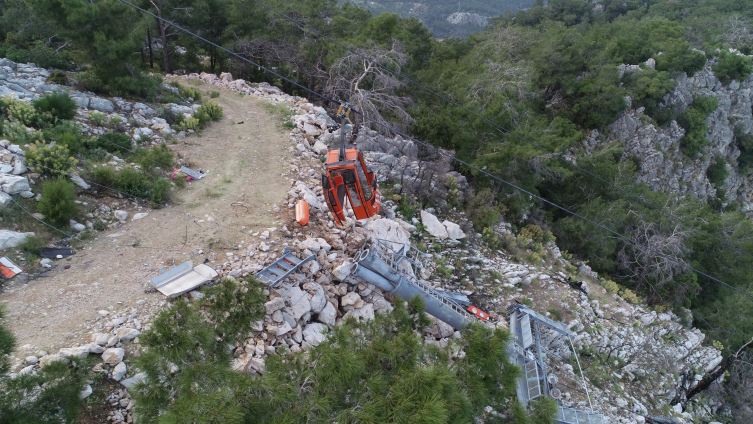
504,130
452,157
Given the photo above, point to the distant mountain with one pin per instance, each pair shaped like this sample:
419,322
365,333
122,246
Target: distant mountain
447,18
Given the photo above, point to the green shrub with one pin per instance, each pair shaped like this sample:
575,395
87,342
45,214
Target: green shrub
532,233
717,172
71,142
678,57
39,54
212,110
33,245
98,118
159,156
142,86
99,225
732,66
57,77
24,113
58,104
192,123
58,203
105,175
51,161
610,286
160,193
187,92
693,119
630,296
98,154
133,182
114,142
17,133
745,144
214,94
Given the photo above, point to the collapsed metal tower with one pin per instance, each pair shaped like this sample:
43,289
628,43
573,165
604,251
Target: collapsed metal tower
396,267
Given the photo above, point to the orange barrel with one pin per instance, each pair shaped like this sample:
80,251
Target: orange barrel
302,212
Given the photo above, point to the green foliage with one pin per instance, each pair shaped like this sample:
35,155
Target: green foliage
610,286
17,133
678,57
187,93
693,119
484,210
598,99
105,175
32,245
732,66
648,88
49,396
37,53
745,144
214,94
158,156
629,296
113,142
58,203
193,123
52,161
212,109
140,184
99,119
717,172
57,77
59,104
71,142
531,233
24,113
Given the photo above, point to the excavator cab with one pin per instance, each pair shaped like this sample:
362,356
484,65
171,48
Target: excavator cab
347,175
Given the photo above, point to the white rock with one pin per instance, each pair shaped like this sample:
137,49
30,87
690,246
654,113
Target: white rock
342,271
86,392
75,352
318,301
14,184
133,381
76,226
257,364
10,239
386,229
113,356
328,315
127,333
314,333
433,226
121,215
32,360
320,148
119,371
453,230
283,328
275,305
49,359
100,338
298,303
350,299
139,216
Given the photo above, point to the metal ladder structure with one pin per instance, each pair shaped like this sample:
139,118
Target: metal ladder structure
280,269
394,267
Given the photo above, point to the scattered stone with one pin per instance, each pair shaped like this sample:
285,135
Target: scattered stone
433,226
113,356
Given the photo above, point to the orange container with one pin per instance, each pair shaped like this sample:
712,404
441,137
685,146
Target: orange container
302,212
479,313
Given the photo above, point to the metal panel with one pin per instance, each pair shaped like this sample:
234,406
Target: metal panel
533,384
183,279
525,331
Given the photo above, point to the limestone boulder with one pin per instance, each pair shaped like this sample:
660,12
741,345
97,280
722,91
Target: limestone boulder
328,315
433,226
10,239
453,230
297,303
113,356
314,333
386,229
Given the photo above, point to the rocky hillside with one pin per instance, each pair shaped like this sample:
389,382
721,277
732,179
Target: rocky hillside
633,357
663,166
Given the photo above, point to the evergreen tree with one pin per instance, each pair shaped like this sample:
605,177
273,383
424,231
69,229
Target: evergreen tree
49,396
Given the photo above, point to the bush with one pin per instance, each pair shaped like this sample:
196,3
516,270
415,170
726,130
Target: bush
98,118
531,233
39,54
58,104
717,172
132,182
187,92
732,66
58,203
147,87
57,77
104,175
610,286
214,94
212,110
629,296
51,161
678,57
114,142
191,123
17,133
693,119
745,144
33,245
148,159
23,112
72,142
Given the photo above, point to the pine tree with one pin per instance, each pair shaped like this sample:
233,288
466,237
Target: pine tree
50,396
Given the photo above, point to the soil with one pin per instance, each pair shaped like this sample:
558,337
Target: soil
245,165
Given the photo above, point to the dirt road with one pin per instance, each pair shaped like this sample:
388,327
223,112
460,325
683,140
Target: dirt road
244,163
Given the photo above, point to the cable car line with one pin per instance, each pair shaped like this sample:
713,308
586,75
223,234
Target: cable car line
451,157
505,131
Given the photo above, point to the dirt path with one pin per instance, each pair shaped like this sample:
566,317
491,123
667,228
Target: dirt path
244,162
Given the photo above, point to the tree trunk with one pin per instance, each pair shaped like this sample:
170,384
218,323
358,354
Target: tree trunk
151,53
163,36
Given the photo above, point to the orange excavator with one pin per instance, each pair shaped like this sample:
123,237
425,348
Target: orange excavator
347,175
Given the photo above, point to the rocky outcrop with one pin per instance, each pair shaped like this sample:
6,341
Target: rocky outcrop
663,167
466,18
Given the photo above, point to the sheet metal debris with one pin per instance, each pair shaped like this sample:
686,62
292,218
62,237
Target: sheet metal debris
183,278
56,252
8,268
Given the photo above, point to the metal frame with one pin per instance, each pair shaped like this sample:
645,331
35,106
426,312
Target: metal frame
281,269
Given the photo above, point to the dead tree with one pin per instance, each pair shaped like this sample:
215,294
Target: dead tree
655,261
372,90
